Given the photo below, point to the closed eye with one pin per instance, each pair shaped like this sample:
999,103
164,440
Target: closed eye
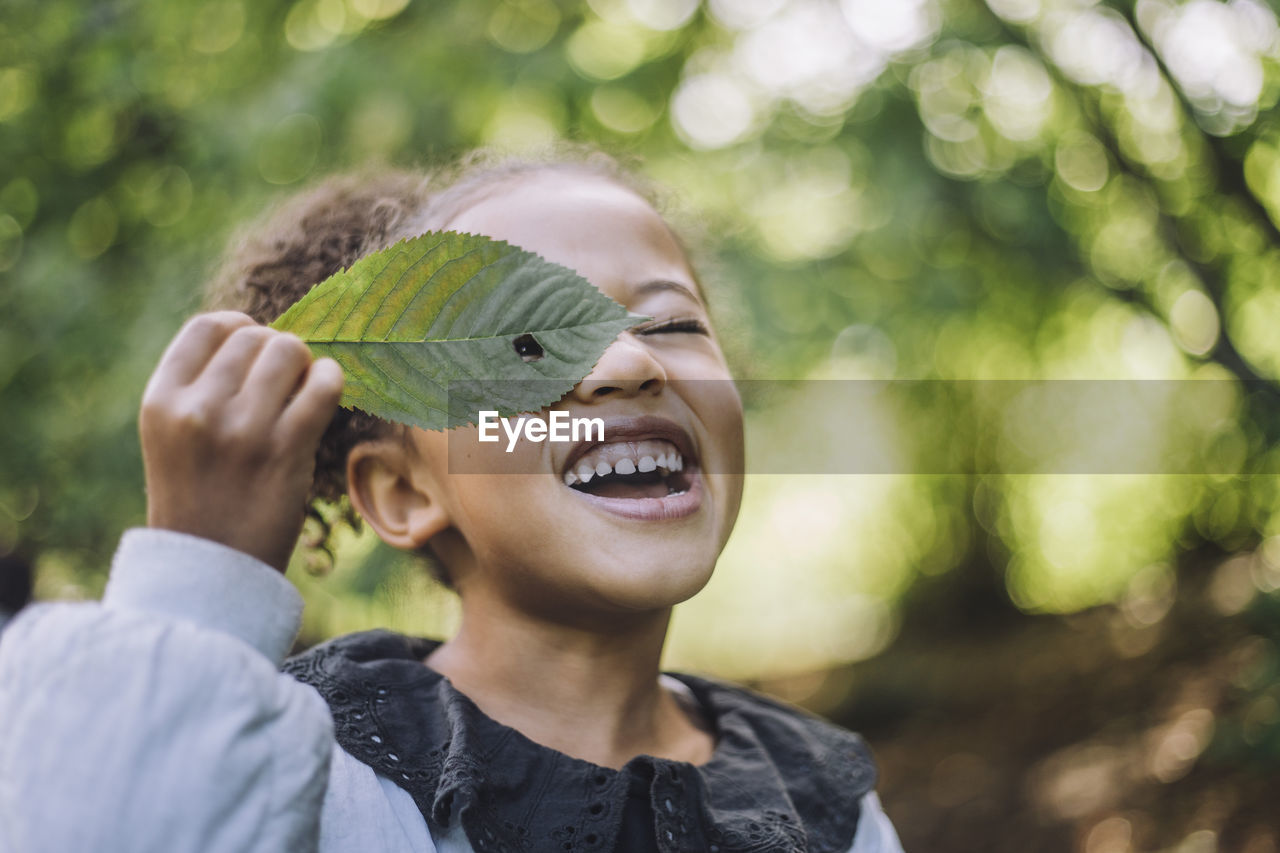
677,324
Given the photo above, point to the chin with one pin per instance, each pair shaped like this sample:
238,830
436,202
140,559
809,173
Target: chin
651,585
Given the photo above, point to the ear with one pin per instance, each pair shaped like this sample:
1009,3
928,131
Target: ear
389,493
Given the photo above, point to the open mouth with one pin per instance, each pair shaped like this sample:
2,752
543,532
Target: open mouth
652,468
645,469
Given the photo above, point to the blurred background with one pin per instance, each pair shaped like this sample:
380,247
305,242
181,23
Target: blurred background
879,189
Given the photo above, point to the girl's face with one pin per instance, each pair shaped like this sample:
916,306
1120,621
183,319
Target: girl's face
634,539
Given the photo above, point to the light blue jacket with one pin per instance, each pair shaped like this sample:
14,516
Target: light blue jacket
157,721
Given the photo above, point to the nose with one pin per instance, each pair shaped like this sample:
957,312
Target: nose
626,369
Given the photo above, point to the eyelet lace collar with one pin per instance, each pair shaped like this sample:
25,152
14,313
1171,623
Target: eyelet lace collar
778,780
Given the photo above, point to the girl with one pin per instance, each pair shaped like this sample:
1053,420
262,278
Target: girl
159,719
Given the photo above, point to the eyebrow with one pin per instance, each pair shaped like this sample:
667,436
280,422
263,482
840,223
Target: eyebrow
661,284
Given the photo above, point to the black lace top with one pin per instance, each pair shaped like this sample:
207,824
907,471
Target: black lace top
778,780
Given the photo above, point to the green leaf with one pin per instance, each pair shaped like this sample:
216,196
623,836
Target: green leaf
436,328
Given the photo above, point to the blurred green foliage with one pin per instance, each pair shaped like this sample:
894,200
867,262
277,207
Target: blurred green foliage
884,188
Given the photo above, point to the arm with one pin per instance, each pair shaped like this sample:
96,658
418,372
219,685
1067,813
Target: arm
157,720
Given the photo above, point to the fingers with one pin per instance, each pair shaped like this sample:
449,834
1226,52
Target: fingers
275,375
194,345
286,387
263,380
226,372
308,414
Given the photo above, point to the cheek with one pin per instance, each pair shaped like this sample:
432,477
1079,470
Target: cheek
501,498
500,513
490,494
467,455
718,406
723,418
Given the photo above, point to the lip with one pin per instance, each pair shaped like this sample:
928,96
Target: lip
652,509
636,428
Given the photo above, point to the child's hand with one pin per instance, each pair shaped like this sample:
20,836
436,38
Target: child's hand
230,423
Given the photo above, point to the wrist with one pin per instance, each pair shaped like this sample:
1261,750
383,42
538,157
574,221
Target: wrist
234,535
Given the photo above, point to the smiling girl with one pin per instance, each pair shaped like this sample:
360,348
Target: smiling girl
159,719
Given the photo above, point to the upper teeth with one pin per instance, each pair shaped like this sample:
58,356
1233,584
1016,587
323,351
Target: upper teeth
625,458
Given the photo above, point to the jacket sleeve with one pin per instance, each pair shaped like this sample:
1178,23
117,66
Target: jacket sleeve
157,720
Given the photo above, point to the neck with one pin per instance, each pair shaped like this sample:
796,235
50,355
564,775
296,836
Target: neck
592,694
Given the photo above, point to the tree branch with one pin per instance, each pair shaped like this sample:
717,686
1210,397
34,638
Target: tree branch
1230,174
1225,352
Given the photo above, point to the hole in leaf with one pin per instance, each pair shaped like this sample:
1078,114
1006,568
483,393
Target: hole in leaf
528,348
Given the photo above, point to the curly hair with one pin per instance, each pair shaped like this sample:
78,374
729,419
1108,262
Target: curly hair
325,229
275,261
